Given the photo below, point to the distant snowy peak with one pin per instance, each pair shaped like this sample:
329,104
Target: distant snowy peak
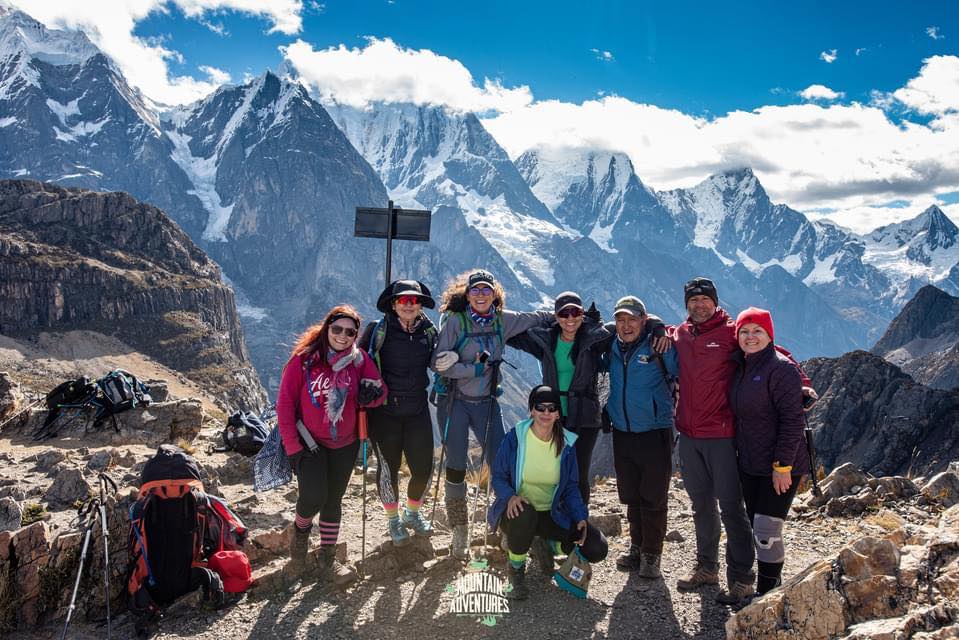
553,172
923,249
21,34
931,228
709,203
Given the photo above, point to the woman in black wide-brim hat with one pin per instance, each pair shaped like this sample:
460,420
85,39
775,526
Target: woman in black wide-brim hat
401,343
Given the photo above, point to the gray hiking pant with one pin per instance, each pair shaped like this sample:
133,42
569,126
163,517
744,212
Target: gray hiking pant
711,474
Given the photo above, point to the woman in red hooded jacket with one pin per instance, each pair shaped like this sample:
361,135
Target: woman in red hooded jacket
324,384
766,397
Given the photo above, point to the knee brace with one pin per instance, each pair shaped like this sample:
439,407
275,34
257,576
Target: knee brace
768,538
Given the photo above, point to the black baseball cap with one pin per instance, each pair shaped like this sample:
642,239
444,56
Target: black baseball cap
543,393
567,299
480,277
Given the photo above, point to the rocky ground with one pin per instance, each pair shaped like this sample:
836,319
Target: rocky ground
407,592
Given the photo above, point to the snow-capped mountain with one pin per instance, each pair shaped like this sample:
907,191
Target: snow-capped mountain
599,195
443,160
68,115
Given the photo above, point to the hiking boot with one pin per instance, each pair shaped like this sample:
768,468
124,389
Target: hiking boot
299,546
649,566
517,582
631,560
414,520
398,533
736,593
542,555
329,569
460,545
700,577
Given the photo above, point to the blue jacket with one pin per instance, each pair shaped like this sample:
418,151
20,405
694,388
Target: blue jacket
647,403
567,508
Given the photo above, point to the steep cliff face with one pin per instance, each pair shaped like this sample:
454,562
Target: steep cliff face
877,417
77,259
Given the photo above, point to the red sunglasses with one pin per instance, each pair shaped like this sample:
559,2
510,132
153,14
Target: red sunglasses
569,312
411,300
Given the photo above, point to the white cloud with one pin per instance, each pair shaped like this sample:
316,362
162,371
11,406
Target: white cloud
806,155
820,92
605,56
829,56
217,76
145,62
935,90
861,50
384,71
933,32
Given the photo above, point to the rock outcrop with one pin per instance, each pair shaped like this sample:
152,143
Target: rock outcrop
924,339
874,415
76,259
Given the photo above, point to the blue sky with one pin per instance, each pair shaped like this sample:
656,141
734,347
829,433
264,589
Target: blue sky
846,109
701,58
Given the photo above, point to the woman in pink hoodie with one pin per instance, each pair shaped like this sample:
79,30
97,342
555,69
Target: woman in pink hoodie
324,384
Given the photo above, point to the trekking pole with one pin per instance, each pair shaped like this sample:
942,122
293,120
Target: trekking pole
494,381
32,405
364,437
87,514
811,450
446,429
106,482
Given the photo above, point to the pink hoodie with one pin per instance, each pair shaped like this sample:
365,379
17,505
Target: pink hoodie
294,399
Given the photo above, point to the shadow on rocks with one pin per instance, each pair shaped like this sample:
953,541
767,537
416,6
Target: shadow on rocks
646,605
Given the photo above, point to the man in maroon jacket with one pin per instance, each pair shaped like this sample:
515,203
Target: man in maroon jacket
705,343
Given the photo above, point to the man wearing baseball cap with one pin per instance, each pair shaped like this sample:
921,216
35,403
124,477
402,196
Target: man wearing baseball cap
640,408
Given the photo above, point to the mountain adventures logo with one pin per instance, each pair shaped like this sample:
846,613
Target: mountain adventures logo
481,594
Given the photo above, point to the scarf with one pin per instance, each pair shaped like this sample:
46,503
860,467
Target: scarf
484,320
335,396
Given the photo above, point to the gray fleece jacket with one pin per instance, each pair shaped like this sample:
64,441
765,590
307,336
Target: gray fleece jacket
473,379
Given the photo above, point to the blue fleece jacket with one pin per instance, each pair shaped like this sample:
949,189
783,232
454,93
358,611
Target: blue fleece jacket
639,399
567,508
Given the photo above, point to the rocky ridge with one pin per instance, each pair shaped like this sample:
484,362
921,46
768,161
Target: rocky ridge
74,259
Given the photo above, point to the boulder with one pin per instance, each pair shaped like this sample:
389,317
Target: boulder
10,397
47,461
852,505
68,487
839,483
11,514
943,488
893,487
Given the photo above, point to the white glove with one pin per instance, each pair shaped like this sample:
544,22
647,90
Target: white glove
445,360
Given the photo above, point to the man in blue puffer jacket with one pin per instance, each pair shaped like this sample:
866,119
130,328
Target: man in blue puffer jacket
640,408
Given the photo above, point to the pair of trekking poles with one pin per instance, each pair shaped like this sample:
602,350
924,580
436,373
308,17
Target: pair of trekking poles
91,513
451,394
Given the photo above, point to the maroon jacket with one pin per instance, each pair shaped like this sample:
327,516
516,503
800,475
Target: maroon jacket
705,366
766,396
707,359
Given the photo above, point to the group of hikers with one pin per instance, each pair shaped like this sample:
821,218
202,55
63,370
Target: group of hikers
735,398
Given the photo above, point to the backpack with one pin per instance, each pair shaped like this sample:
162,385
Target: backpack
441,383
68,392
245,433
174,528
119,391
379,337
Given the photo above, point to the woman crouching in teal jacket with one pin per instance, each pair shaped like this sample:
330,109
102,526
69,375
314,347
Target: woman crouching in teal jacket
537,494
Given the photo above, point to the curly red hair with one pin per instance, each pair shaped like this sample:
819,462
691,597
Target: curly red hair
316,338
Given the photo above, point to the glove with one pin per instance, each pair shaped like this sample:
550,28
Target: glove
295,460
370,390
445,360
655,326
593,313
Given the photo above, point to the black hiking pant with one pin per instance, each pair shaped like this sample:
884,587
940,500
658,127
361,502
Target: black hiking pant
644,463
322,476
584,445
530,523
396,436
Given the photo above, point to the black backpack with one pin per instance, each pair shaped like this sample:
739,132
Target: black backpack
120,390
174,528
245,433
68,392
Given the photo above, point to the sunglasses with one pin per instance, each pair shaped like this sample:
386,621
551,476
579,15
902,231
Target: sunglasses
336,330
546,407
569,312
481,291
410,300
